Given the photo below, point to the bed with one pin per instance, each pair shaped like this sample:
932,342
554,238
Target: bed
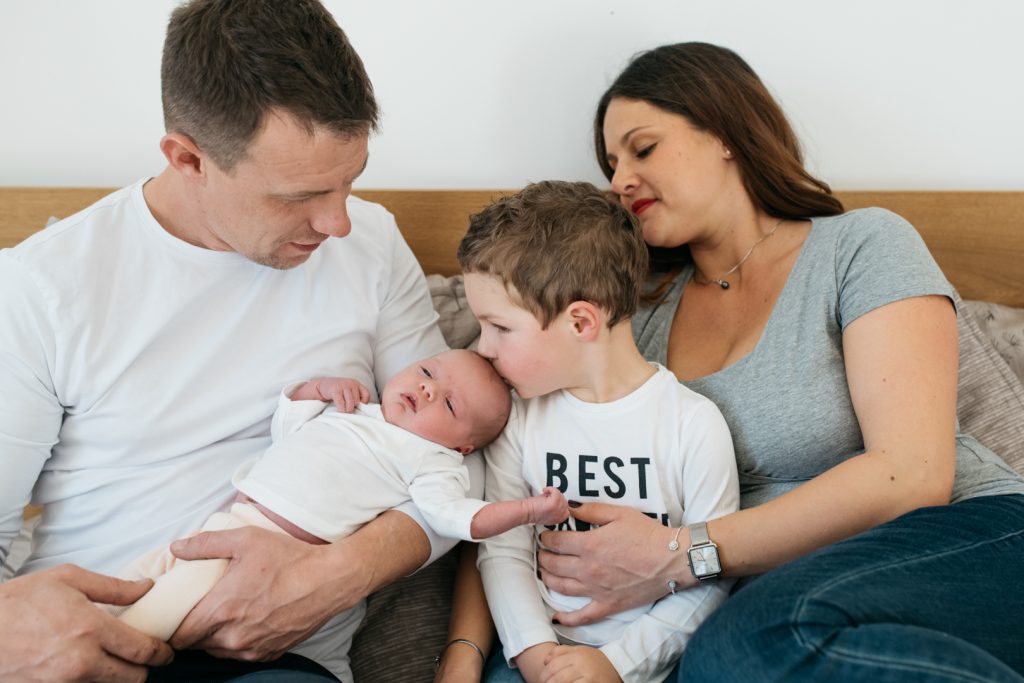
976,237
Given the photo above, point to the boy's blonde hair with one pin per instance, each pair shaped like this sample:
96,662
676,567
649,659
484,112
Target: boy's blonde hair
556,242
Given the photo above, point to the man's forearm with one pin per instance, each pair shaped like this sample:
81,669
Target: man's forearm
391,546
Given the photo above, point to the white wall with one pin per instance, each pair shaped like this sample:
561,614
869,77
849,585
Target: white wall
888,94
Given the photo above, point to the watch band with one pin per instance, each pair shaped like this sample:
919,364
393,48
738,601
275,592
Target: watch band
698,533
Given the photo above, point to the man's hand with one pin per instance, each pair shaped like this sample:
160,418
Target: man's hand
50,630
620,565
548,508
567,663
268,599
346,393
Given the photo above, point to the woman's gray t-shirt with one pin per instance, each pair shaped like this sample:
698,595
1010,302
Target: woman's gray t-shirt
787,402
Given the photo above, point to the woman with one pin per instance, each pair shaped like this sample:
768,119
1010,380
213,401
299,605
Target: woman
887,546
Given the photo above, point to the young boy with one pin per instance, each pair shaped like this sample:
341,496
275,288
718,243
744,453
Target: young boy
332,469
553,273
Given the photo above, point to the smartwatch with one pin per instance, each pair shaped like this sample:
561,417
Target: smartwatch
702,555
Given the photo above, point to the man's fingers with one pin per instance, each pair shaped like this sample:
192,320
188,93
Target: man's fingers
107,669
189,634
133,647
209,545
101,588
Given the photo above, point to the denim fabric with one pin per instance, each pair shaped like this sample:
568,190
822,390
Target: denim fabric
935,595
497,671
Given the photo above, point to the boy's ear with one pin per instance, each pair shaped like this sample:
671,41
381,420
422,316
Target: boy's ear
586,320
184,155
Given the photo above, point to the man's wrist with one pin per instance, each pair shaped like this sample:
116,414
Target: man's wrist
384,550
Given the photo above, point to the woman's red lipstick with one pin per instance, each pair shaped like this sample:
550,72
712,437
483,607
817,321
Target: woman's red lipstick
639,205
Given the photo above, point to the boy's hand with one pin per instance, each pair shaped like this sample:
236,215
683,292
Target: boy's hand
344,392
549,508
578,663
531,661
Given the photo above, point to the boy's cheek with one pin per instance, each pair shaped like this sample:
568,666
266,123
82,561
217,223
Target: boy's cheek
523,391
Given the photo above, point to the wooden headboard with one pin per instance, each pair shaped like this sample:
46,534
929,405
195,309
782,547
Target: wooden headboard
976,237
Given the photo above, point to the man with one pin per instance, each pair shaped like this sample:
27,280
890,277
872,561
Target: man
144,341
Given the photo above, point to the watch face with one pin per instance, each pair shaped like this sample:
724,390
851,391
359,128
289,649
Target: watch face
705,561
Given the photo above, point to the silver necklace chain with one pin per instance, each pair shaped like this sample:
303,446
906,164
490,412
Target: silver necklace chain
721,281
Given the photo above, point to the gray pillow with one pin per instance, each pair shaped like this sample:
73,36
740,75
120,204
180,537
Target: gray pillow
406,625
990,399
458,325
1004,326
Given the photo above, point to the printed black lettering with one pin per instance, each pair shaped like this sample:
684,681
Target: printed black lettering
586,476
620,487
556,472
641,473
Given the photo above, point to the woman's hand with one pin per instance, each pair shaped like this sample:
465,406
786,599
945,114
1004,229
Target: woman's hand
622,564
568,663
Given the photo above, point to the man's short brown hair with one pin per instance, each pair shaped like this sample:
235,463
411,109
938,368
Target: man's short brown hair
227,63
556,242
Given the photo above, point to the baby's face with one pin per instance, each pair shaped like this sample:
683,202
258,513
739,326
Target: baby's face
450,399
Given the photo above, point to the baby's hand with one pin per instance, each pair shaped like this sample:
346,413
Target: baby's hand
549,508
346,393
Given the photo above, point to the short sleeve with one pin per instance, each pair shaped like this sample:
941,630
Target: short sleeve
881,258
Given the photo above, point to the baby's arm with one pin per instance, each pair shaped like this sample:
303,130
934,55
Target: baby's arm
549,508
346,393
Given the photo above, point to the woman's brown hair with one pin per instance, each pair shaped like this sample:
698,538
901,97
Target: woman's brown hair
718,93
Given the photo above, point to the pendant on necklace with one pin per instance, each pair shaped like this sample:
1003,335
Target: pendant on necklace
723,284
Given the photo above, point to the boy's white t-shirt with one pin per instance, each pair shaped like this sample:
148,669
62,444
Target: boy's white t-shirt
664,450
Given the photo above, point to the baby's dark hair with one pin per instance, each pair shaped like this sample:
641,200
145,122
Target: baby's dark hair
556,242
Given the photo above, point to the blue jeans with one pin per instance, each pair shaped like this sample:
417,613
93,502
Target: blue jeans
497,671
935,595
